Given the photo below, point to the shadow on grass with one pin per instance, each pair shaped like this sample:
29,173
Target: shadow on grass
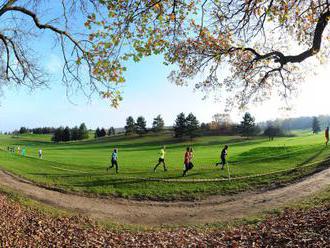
263,157
317,154
48,175
155,145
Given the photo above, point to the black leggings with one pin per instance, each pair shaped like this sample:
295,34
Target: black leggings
161,161
223,162
114,163
188,167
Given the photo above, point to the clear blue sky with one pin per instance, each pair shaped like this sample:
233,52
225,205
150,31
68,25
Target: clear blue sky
147,92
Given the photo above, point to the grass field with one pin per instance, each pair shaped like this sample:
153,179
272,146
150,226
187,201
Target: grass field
81,166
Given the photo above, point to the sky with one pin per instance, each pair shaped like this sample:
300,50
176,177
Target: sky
147,92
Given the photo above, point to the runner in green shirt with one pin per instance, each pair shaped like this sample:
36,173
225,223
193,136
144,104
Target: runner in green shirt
161,159
114,160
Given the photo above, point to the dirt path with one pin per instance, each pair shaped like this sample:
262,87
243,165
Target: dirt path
149,213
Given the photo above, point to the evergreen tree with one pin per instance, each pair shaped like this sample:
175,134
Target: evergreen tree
58,135
66,134
130,125
158,124
111,131
204,126
83,132
248,127
141,125
75,133
180,125
23,130
192,126
316,125
103,132
97,133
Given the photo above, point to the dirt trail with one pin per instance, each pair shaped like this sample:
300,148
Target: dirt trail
150,213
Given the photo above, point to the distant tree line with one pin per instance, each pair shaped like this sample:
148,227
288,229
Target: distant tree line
186,126
221,125
214,128
68,134
140,125
299,123
101,132
189,126
43,130
38,130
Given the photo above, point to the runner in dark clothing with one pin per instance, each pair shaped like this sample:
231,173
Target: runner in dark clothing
187,157
191,155
114,160
326,134
223,156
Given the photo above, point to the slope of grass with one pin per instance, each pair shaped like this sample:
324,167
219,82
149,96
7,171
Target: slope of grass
81,166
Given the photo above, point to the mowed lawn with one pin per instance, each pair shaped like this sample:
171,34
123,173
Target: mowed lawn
81,166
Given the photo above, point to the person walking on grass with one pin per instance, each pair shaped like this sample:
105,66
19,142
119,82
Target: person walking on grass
114,160
223,156
187,161
191,155
40,153
161,159
326,134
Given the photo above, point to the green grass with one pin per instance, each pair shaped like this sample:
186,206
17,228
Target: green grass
80,166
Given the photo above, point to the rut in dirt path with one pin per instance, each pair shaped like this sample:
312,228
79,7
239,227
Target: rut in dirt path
150,213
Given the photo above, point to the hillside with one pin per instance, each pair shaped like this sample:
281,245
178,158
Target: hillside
81,166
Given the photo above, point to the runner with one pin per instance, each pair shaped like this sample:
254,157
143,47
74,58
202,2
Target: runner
191,155
223,156
326,134
186,161
161,159
114,160
40,153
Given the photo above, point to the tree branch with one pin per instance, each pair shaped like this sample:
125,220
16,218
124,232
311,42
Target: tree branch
317,40
279,57
4,40
42,26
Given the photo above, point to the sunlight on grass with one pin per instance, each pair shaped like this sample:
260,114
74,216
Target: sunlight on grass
81,166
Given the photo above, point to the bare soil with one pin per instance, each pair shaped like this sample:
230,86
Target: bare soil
152,213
